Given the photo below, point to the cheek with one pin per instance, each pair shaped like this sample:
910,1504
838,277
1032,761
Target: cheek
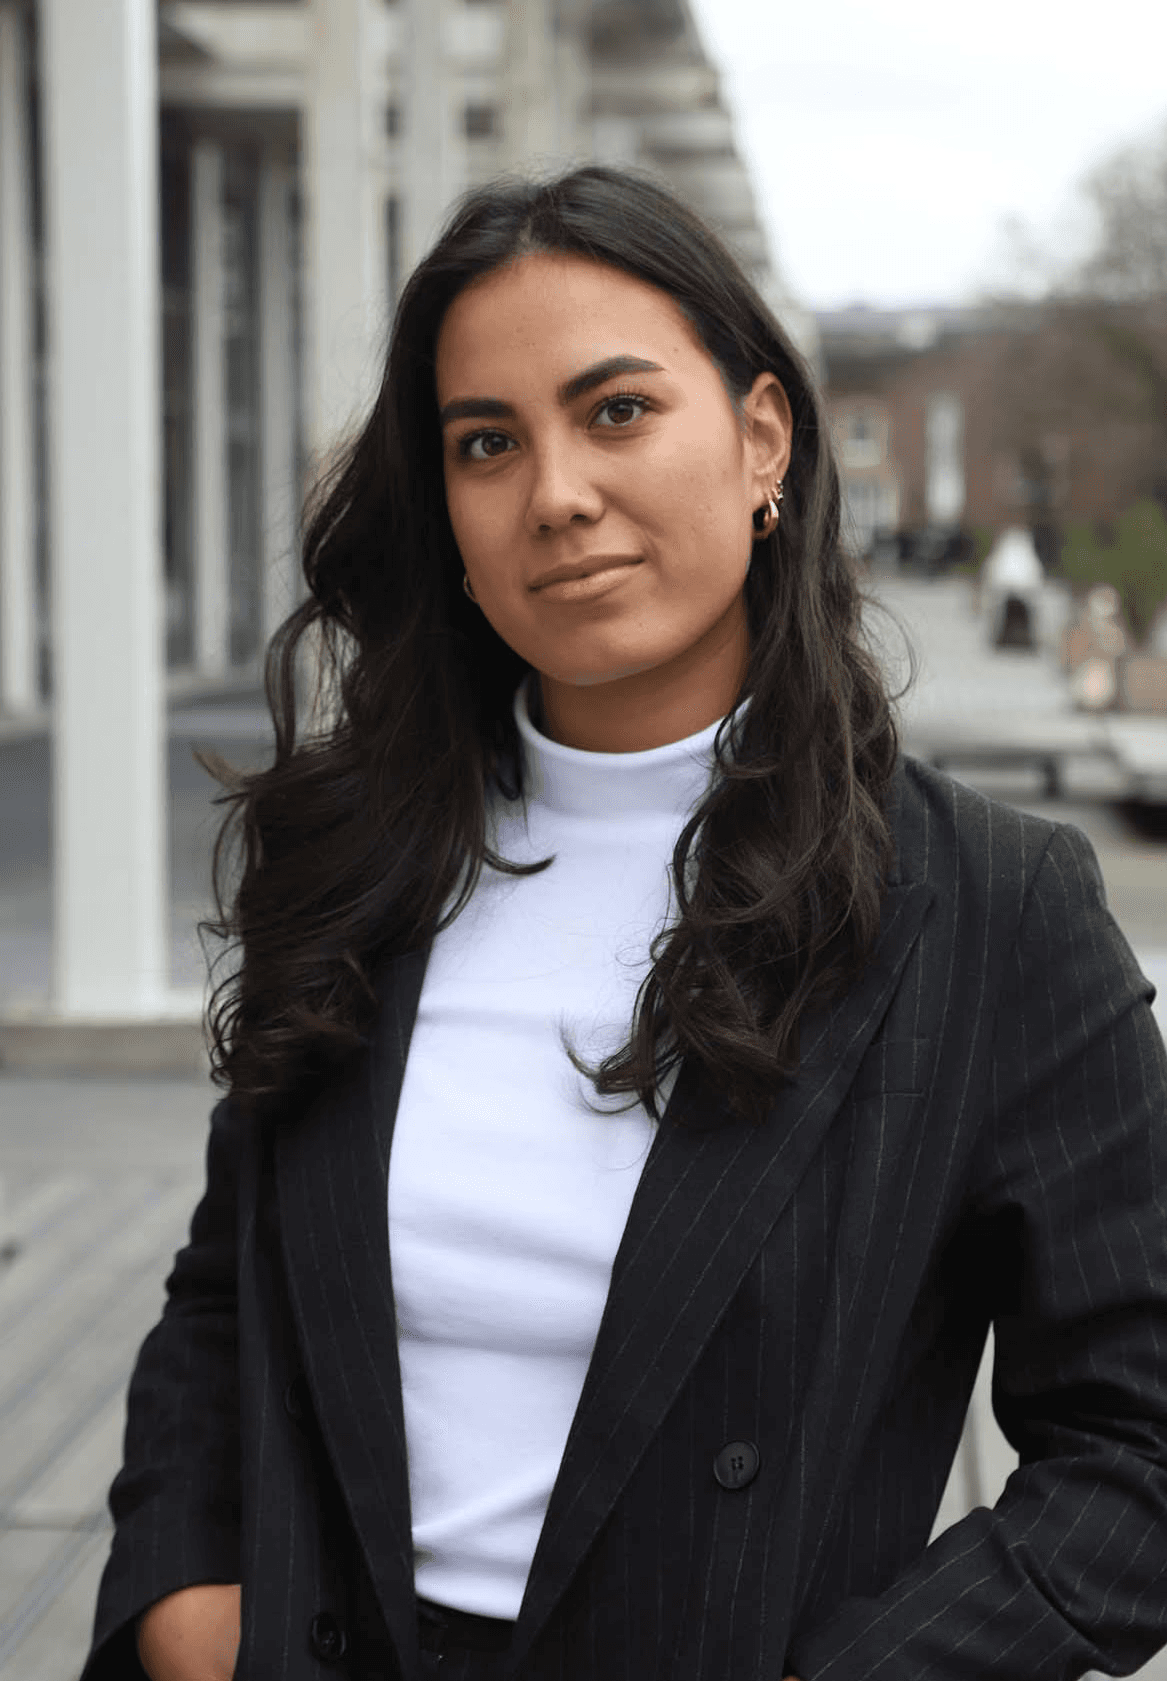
474,520
699,476
484,532
705,509
457,511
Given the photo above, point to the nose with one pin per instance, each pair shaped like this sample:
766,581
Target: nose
562,492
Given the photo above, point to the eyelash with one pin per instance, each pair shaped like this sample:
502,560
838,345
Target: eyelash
623,397
471,438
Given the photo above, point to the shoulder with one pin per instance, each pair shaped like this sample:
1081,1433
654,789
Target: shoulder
1017,908
944,831
980,852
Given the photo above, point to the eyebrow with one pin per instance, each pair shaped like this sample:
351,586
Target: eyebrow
493,408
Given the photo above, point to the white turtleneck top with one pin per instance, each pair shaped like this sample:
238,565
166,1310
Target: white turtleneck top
507,1194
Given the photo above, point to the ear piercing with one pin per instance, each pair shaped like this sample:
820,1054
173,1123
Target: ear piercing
766,517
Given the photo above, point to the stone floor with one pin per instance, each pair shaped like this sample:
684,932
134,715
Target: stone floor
97,1183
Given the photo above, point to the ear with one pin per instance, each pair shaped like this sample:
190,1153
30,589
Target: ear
768,426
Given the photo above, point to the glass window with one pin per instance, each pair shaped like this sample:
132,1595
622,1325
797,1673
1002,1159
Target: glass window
241,392
393,247
480,122
861,438
177,396
860,427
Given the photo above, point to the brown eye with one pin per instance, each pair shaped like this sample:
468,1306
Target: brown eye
484,446
620,411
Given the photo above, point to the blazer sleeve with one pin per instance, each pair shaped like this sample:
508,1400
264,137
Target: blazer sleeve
176,1500
1068,1572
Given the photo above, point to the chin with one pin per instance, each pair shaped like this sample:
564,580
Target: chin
581,667
592,677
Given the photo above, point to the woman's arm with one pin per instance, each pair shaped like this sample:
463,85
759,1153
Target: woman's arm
192,1635
176,1500
1069,1203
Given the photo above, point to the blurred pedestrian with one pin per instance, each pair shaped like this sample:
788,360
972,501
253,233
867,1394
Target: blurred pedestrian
1011,582
644,1085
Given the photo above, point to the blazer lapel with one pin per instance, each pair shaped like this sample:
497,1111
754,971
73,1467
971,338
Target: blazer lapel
332,1170
705,1202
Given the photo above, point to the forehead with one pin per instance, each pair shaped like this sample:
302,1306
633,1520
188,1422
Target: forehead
547,315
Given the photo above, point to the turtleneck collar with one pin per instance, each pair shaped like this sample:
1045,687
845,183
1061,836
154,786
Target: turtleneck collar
662,780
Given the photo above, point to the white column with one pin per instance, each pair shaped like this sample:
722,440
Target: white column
345,278
427,141
18,593
212,536
99,87
571,81
281,491
530,115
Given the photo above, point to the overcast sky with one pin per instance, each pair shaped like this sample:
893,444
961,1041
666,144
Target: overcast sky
892,143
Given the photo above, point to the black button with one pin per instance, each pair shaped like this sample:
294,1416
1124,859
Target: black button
736,1464
296,1400
326,1637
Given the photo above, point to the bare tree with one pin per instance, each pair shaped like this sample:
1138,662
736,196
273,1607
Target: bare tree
1080,377
1128,195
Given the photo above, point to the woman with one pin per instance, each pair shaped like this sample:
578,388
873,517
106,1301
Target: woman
737,1071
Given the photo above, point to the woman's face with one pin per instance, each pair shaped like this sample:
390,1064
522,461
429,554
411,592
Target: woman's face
601,484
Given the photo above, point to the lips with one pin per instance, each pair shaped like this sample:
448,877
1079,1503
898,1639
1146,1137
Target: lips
575,569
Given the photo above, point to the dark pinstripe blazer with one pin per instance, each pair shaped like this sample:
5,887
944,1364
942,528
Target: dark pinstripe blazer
978,1133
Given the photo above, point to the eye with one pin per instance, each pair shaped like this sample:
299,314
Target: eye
484,446
620,410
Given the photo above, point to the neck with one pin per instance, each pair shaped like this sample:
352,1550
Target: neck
646,709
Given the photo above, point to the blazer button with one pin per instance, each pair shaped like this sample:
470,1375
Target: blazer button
326,1637
736,1464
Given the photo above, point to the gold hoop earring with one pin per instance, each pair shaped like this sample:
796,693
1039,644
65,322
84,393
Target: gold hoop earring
466,585
766,517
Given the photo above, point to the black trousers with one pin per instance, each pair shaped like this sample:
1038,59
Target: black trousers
459,1646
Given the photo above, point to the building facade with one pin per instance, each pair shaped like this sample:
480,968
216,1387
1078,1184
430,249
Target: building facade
207,209
307,154
909,404
952,424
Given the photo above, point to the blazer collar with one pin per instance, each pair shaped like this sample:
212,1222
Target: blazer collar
332,1170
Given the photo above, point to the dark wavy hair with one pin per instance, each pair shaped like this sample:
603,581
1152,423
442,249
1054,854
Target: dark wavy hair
364,838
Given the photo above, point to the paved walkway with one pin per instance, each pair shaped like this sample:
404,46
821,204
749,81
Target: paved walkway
98,1178
985,706
97,1183
968,696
